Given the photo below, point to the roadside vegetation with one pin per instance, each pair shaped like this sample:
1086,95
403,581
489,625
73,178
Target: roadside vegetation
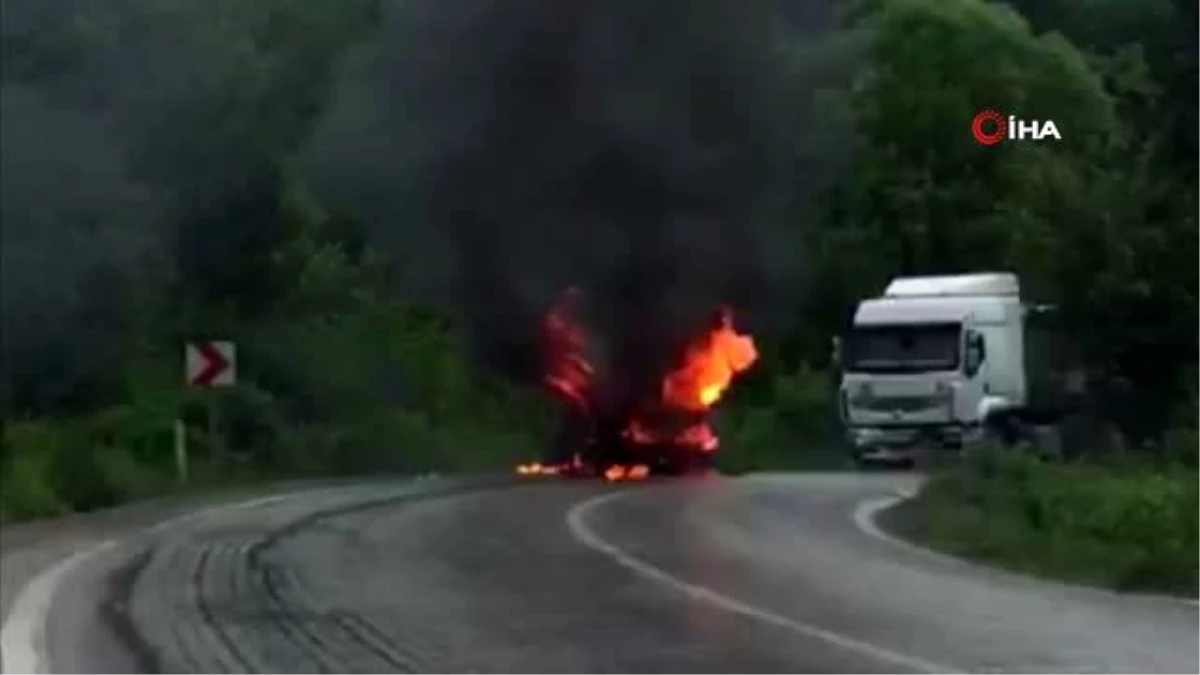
1126,526
142,208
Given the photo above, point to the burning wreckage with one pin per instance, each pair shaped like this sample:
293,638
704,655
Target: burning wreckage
621,435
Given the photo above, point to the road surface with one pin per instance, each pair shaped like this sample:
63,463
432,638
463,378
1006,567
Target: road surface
769,573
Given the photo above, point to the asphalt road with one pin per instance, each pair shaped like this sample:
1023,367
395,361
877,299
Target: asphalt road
761,574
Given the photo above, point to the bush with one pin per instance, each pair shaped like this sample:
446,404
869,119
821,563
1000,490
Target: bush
376,388
792,428
56,466
27,481
1182,441
118,454
1131,528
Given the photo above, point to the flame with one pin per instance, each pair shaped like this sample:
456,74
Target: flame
709,365
536,469
706,370
539,469
613,473
618,472
675,420
568,372
699,436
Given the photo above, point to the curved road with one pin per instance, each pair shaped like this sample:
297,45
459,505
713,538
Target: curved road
770,573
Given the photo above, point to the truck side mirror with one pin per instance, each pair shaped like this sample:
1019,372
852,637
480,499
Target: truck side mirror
976,354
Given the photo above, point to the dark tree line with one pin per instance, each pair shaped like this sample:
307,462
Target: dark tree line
353,190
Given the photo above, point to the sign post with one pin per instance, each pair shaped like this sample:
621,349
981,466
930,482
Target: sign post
181,466
207,365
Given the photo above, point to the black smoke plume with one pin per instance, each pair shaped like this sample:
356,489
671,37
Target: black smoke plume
658,155
137,138
71,225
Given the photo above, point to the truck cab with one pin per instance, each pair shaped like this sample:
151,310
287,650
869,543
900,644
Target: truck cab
932,363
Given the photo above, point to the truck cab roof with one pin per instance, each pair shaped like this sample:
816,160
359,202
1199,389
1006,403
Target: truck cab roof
984,298
921,310
979,284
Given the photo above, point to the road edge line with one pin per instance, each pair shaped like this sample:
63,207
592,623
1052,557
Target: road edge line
22,635
582,533
865,519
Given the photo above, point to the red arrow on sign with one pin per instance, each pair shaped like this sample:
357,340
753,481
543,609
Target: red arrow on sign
214,364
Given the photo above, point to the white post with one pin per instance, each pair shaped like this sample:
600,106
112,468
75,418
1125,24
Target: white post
181,451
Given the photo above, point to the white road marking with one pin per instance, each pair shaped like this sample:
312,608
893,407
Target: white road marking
22,638
864,519
868,509
577,523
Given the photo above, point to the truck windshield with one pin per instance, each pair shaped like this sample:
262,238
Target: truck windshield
903,348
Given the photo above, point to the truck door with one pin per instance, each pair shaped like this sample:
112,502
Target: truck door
975,384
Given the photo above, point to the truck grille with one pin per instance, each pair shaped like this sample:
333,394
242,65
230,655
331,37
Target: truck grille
900,403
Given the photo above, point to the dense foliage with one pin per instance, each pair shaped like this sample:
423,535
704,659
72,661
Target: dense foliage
149,200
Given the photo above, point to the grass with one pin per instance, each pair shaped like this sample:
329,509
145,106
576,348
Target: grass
54,467
1131,528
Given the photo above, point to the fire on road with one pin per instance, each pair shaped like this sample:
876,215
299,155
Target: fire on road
660,423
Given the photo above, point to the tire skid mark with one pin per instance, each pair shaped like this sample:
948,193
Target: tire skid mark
161,610
239,617
352,627
260,608
332,631
279,647
222,605
196,622
360,633
116,611
224,652
240,629
170,598
411,663
290,624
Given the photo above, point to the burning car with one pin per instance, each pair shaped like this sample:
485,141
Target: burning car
619,431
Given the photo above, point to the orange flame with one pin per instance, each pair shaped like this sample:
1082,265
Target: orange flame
618,472
709,365
613,473
536,469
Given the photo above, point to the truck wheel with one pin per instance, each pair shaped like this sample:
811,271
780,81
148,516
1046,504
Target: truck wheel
863,464
866,464
1002,430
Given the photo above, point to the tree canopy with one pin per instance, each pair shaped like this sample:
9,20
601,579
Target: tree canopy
298,176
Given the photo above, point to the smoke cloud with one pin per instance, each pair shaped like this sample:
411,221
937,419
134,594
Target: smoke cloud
653,154
73,227
110,132
656,155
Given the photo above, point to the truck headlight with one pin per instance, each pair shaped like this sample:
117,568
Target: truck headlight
862,437
945,393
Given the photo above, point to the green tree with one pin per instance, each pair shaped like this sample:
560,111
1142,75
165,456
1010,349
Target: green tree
1090,223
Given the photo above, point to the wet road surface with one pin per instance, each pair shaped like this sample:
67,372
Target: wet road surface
759,574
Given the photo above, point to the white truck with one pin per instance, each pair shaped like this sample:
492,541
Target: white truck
935,362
